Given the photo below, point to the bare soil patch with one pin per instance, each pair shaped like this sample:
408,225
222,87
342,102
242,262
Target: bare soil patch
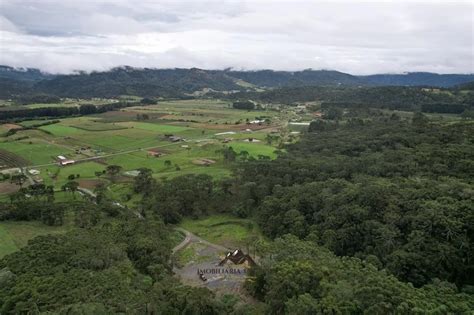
90,183
9,159
8,188
204,162
157,151
12,126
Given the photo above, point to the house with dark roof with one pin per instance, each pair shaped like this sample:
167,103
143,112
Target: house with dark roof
238,258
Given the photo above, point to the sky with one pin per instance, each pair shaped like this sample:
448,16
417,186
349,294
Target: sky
358,37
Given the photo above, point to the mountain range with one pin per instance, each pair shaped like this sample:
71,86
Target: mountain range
177,82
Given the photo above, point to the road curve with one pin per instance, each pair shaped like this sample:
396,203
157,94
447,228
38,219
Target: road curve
190,237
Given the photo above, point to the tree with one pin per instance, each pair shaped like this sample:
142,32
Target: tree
333,113
229,154
87,109
113,171
419,119
19,179
86,215
148,101
144,181
248,105
71,186
53,215
101,193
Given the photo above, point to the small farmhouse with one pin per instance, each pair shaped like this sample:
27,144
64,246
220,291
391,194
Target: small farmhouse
238,258
64,161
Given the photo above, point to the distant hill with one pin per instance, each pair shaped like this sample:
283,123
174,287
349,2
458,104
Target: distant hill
23,74
418,79
269,78
11,87
179,82
132,81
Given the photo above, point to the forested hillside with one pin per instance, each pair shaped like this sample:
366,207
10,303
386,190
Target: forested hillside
23,74
176,82
130,81
390,97
397,194
300,277
418,79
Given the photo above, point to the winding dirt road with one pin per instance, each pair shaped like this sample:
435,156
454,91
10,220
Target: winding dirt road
193,238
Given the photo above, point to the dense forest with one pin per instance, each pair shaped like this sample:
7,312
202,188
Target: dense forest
398,194
300,277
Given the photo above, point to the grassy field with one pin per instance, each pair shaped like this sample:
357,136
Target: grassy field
117,137
7,244
37,152
226,230
16,234
60,130
153,127
85,170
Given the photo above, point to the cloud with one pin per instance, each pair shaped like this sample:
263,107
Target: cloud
355,36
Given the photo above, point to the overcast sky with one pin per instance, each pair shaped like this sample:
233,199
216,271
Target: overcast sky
61,36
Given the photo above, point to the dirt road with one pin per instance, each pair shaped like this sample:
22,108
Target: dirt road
192,238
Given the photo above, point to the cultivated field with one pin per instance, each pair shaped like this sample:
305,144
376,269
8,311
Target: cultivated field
137,137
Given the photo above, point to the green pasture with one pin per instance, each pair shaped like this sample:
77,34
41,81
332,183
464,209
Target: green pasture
7,242
253,148
223,229
203,111
45,105
97,126
86,170
16,234
29,123
118,131
60,130
111,142
123,192
159,128
173,152
37,152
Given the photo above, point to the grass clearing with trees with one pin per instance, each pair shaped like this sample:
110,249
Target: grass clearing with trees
16,234
225,230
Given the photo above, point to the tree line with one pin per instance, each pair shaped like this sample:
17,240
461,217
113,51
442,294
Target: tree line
65,111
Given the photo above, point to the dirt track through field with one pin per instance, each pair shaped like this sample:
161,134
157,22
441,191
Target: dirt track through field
192,238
